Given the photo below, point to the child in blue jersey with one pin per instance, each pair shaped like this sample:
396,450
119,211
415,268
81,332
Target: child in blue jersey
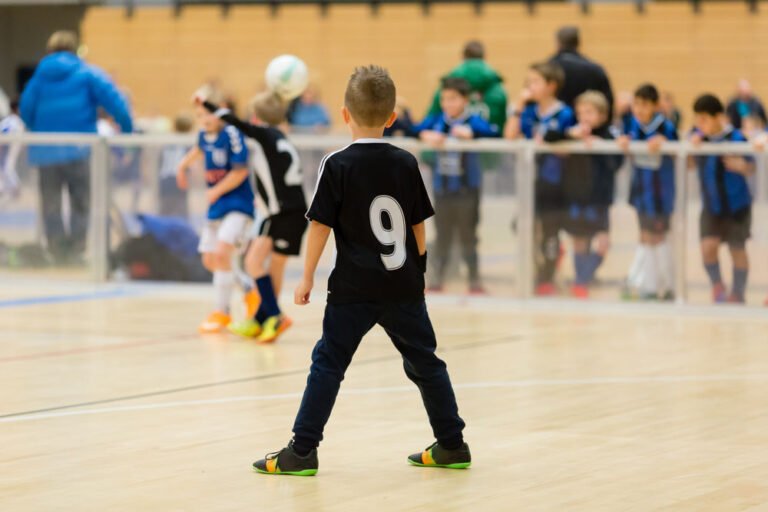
230,206
457,178
726,214
540,116
653,197
589,183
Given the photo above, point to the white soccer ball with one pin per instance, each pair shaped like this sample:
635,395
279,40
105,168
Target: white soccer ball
287,75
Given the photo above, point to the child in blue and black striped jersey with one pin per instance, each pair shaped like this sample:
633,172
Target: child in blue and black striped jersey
726,214
652,194
589,182
539,115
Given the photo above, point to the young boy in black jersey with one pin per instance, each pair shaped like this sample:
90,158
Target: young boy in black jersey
281,204
373,198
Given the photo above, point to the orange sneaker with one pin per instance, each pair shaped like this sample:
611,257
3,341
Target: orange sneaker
273,327
252,301
216,322
580,291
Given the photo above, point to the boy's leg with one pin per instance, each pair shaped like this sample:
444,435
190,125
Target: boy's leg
444,226
549,245
277,264
468,220
581,261
740,273
344,325
409,327
647,278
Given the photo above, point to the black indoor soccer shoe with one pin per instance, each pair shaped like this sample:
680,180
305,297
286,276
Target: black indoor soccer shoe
435,456
288,462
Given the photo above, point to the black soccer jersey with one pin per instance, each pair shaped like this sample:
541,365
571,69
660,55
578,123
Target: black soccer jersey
279,180
371,194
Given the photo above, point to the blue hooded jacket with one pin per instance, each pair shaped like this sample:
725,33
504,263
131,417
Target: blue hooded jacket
63,96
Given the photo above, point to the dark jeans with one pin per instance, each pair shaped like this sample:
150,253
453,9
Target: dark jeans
457,214
410,329
65,243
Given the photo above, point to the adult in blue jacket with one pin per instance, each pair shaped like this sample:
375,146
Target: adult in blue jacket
64,95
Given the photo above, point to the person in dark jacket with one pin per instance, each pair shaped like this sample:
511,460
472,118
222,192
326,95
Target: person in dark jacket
745,104
64,95
581,74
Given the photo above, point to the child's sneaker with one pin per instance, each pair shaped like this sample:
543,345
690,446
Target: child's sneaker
248,328
273,327
216,322
477,289
252,301
580,291
435,456
718,294
735,299
288,462
545,289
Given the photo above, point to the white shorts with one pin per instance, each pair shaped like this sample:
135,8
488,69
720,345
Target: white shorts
231,229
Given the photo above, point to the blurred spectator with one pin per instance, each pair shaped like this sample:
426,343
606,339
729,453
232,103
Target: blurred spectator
64,95
5,104
404,122
744,104
307,114
670,110
487,96
173,200
581,74
457,178
9,155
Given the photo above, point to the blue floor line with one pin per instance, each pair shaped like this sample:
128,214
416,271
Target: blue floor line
57,299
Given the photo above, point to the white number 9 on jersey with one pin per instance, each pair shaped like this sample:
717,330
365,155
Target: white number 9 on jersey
395,235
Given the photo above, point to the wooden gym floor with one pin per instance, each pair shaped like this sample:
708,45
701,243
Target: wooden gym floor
109,400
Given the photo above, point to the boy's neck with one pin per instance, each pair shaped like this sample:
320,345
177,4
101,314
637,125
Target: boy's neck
366,133
545,104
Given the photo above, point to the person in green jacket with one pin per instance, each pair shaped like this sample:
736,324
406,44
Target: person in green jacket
488,98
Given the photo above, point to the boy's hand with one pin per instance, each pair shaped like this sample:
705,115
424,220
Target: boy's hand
462,132
212,194
696,139
432,138
623,142
654,143
580,131
523,99
760,141
181,178
736,164
301,295
201,95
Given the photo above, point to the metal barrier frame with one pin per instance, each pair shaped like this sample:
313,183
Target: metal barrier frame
525,152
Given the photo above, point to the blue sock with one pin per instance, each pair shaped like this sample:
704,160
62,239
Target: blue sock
595,260
581,263
713,270
740,282
269,305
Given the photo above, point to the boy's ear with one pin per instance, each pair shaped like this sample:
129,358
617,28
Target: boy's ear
391,120
345,115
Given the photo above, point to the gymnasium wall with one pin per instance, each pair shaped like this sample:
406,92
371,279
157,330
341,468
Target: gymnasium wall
161,59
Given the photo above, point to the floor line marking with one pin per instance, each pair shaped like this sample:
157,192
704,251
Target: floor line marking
531,383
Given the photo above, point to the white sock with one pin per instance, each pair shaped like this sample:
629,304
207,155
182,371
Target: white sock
649,281
635,276
223,282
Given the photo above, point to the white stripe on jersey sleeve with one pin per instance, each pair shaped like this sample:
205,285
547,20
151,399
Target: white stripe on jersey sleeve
264,174
235,140
320,174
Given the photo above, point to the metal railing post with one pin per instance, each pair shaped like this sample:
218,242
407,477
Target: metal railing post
526,168
679,231
99,214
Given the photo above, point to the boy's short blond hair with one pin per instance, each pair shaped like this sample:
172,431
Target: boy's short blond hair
596,99
62,41
269,108
370,96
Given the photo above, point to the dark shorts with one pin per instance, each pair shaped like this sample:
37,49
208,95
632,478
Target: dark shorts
656,224
286,231
586,221
733,229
